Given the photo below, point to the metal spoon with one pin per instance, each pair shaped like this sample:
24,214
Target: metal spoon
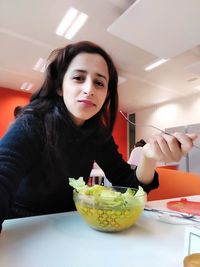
174,214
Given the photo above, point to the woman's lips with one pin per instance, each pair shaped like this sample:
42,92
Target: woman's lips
88,103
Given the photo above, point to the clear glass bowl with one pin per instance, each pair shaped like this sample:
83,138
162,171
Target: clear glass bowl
101,217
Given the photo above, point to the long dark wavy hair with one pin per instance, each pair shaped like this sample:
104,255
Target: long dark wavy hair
59,60
47,103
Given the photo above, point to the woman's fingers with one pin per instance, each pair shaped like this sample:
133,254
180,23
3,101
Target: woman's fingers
174,150
169,148
186,141
192,136
166,148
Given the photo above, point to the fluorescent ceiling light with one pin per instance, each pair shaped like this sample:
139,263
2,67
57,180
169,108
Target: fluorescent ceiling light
77,24
66,21
26,86
40,65
71,23
156,64
121,79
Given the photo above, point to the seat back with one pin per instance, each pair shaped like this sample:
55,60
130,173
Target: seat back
175,183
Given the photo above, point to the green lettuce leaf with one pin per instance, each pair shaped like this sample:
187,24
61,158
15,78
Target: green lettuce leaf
78,184
106,196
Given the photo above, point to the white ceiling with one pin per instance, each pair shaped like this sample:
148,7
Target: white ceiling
27,32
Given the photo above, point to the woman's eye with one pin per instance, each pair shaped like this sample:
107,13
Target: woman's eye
99,83
78,78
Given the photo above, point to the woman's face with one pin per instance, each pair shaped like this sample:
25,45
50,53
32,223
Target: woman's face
85,86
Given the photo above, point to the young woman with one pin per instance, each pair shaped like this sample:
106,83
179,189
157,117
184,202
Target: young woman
65,127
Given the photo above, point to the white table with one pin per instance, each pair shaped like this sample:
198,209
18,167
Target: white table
65,240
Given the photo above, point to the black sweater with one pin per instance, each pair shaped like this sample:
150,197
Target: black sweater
31,186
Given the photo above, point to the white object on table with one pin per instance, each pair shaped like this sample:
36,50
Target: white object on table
65,240
192,240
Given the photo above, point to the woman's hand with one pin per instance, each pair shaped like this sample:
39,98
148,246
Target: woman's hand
167,148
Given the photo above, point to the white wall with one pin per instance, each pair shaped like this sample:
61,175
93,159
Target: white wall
181,112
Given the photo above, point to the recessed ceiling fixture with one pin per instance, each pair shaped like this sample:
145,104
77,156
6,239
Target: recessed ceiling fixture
71,23
40,65
156,64
26,86
121,80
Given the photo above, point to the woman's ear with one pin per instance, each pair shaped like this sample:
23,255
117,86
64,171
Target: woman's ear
60,92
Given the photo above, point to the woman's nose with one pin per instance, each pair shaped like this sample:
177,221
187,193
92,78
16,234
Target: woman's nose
88,88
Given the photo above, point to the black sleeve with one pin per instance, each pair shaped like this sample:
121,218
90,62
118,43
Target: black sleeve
19,148
118,171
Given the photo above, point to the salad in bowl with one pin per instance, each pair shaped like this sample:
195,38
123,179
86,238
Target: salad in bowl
108,209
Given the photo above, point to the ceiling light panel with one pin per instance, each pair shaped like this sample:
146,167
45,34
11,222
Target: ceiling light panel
156,64
121,80
162,28
26,86
40,65
71,23
66,21
77,24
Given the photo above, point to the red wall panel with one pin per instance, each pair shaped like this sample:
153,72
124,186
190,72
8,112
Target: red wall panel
120,135
9,99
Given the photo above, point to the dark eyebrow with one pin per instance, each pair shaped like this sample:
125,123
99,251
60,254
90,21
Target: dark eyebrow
101,76
83,71
98,74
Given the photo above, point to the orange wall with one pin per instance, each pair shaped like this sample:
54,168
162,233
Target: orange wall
120,135
9,99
